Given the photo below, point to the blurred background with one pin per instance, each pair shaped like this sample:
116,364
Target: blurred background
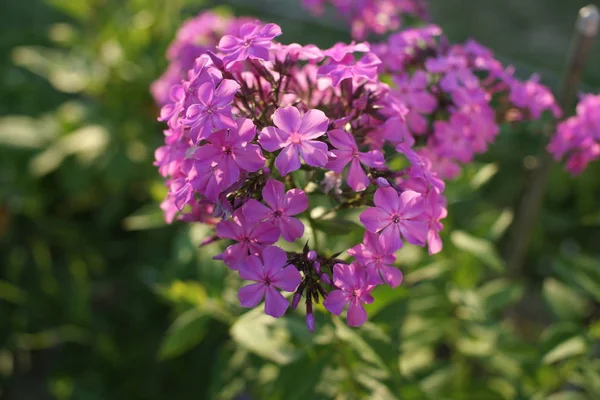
99,299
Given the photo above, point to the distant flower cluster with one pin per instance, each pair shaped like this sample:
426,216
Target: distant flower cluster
457,95
372,16
254,117
577,139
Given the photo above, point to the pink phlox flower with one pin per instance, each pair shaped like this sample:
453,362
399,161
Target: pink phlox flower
363,70
212,110
346,152
251,238
413,91
282,206
378,260
455,72
294,133
271,273
353,290
533,96
254,41
295,52
396,215
340,51
229,151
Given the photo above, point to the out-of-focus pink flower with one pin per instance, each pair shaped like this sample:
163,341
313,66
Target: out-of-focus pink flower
253,41
270,273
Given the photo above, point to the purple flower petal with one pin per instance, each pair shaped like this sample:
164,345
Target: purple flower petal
291,228
313,124
252,269
387,199
314,153
295,202
357,179
255,211
275,304
287,119
250,296
274,259
336,301
356,313
287,279
375,219
273,194
288,160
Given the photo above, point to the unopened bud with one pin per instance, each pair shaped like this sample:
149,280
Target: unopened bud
310,317
312,255
325,278
296,300
382,182
317,267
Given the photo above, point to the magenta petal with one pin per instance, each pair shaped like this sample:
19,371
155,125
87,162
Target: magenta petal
345,276
391,275
229,42
273,194
434,242
250,296
234,255
288,160
375,219
287,119
343,157
357,179
225,92
227,230
291,228
205,93
227,172
314,124
373,159
275,303
415,232
411,204
255,211
356,313
314,153
387,199
335,302
342,140
390,236
266,233
272,139
295,202
250,158
251,269
274,259
287,279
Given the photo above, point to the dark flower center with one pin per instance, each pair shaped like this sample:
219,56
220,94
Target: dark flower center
396,219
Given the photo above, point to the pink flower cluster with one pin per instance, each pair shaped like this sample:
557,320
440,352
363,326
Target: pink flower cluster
254,118
372,16
456,95
578,138
195,36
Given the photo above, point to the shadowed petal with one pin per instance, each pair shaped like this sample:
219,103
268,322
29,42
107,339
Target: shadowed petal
250,296
255,211
251,269
274,259
314,124
288,160
291,228
390,236
249,158
335,302
375,219
387,199
287,279
356,313
275,303
342,140
357,178
272,139
295,202
314,153
273,194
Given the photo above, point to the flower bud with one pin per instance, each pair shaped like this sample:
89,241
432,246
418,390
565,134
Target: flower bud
325,278
296,300
382,182
317,267
310,317
312,255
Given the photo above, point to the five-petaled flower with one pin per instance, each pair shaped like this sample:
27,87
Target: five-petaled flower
295,133
354,290
251,238
347,152
282,207
397,214
374,254
253,41
269,273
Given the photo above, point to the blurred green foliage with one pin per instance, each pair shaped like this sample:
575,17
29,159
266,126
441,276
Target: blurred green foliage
100,300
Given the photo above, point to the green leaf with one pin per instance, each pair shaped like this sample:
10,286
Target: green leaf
265,336
147,217
362,348
569,348
567,396
186,332
565,302
481,249
10,292
499,293
484,174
